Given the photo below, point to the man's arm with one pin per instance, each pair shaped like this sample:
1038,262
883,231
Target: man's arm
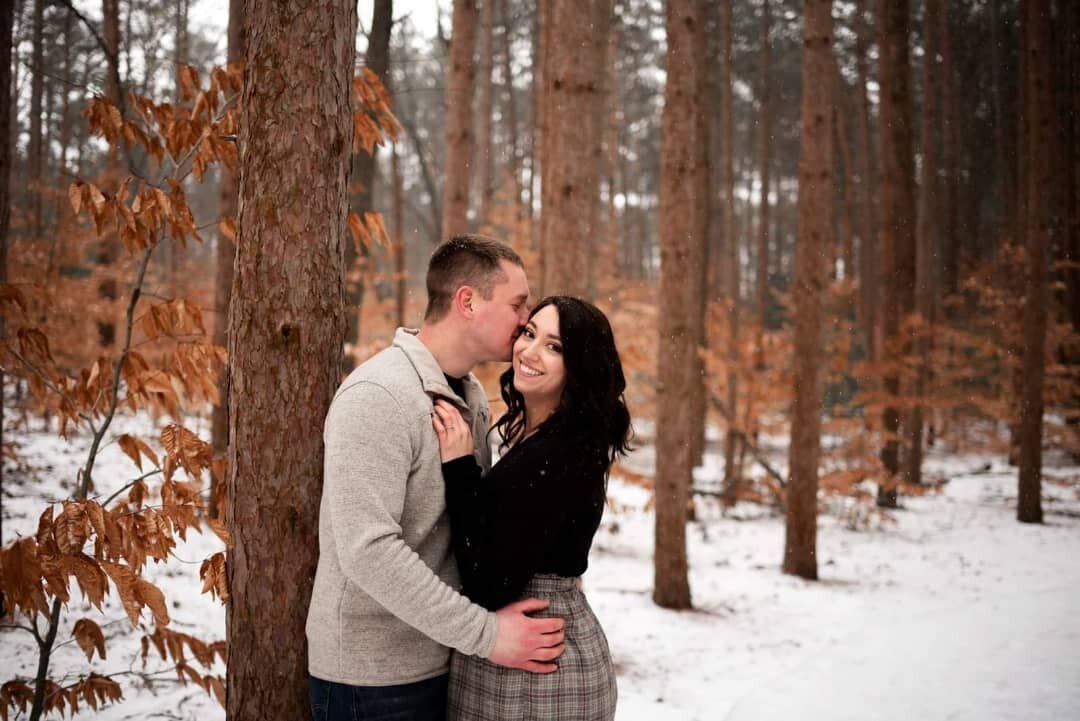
368,457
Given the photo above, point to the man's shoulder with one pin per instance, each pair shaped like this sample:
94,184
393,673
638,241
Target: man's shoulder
387,372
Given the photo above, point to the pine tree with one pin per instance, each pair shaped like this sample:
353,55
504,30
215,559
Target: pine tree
287,328
811,280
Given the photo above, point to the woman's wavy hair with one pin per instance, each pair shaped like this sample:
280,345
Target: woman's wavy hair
592,402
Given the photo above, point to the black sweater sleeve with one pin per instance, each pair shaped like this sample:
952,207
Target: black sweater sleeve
506,526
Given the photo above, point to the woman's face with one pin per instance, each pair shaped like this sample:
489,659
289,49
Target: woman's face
539,373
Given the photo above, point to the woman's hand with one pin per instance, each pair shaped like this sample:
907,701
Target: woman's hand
455,436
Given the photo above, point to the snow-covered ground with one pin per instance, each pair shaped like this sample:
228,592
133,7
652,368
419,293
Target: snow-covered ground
954,612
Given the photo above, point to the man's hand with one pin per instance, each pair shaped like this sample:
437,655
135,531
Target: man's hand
530,644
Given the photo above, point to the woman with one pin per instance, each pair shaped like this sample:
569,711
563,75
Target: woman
525,529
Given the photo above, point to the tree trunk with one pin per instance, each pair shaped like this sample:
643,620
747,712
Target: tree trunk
926,233
570,199
613,160
459,119
732,279
287,328
702,184
764,157
897,212
1072,200
1004,168
35,151
869,288
847,206
950,148
7,17
484,151
811,281
601,36
537,118
680,260
171,248
376,59
109,249
1040,183
514,161
224,254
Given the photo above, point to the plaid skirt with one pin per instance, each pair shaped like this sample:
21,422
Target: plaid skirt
582,689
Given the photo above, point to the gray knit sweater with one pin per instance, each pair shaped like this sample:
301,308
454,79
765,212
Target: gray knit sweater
385,608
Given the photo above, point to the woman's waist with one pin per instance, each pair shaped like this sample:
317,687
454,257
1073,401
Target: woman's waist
549,584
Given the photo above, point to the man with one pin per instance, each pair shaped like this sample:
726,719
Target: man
384,611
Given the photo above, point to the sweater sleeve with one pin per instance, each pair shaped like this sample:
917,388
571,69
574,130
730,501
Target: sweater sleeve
505,523
367,463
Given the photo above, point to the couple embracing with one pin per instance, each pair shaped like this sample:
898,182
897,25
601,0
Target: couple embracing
448,588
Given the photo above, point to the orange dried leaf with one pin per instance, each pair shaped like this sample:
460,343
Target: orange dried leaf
130,447
227,226
213,577
150,595
71,528
218,527
89,637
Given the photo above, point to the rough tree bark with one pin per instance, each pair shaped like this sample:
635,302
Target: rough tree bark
1040,182
680,260
286,332
812,252
897,212
459,138
573,79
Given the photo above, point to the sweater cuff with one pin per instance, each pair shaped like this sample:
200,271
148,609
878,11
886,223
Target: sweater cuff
462,468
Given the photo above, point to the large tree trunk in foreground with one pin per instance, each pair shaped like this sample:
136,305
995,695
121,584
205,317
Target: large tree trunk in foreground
811,279
288,326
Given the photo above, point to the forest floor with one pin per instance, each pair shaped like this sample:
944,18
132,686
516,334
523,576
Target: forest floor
955,611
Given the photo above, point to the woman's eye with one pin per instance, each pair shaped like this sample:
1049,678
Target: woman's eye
555,348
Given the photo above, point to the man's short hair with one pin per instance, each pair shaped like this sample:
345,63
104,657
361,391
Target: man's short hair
469,259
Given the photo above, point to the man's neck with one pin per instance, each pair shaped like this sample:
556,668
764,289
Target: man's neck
446,347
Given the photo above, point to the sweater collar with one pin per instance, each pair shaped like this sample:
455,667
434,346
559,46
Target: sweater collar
432,378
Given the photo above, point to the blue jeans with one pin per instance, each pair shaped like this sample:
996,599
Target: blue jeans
419,701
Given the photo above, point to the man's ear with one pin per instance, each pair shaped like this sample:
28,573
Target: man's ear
463,300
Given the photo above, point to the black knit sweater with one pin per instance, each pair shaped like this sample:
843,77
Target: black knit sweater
535,512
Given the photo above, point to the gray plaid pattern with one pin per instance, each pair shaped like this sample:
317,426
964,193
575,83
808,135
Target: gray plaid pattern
583,689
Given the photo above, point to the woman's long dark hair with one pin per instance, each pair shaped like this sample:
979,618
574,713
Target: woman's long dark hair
592,402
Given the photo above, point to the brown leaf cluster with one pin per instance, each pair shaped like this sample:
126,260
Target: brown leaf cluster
373,121
170,646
